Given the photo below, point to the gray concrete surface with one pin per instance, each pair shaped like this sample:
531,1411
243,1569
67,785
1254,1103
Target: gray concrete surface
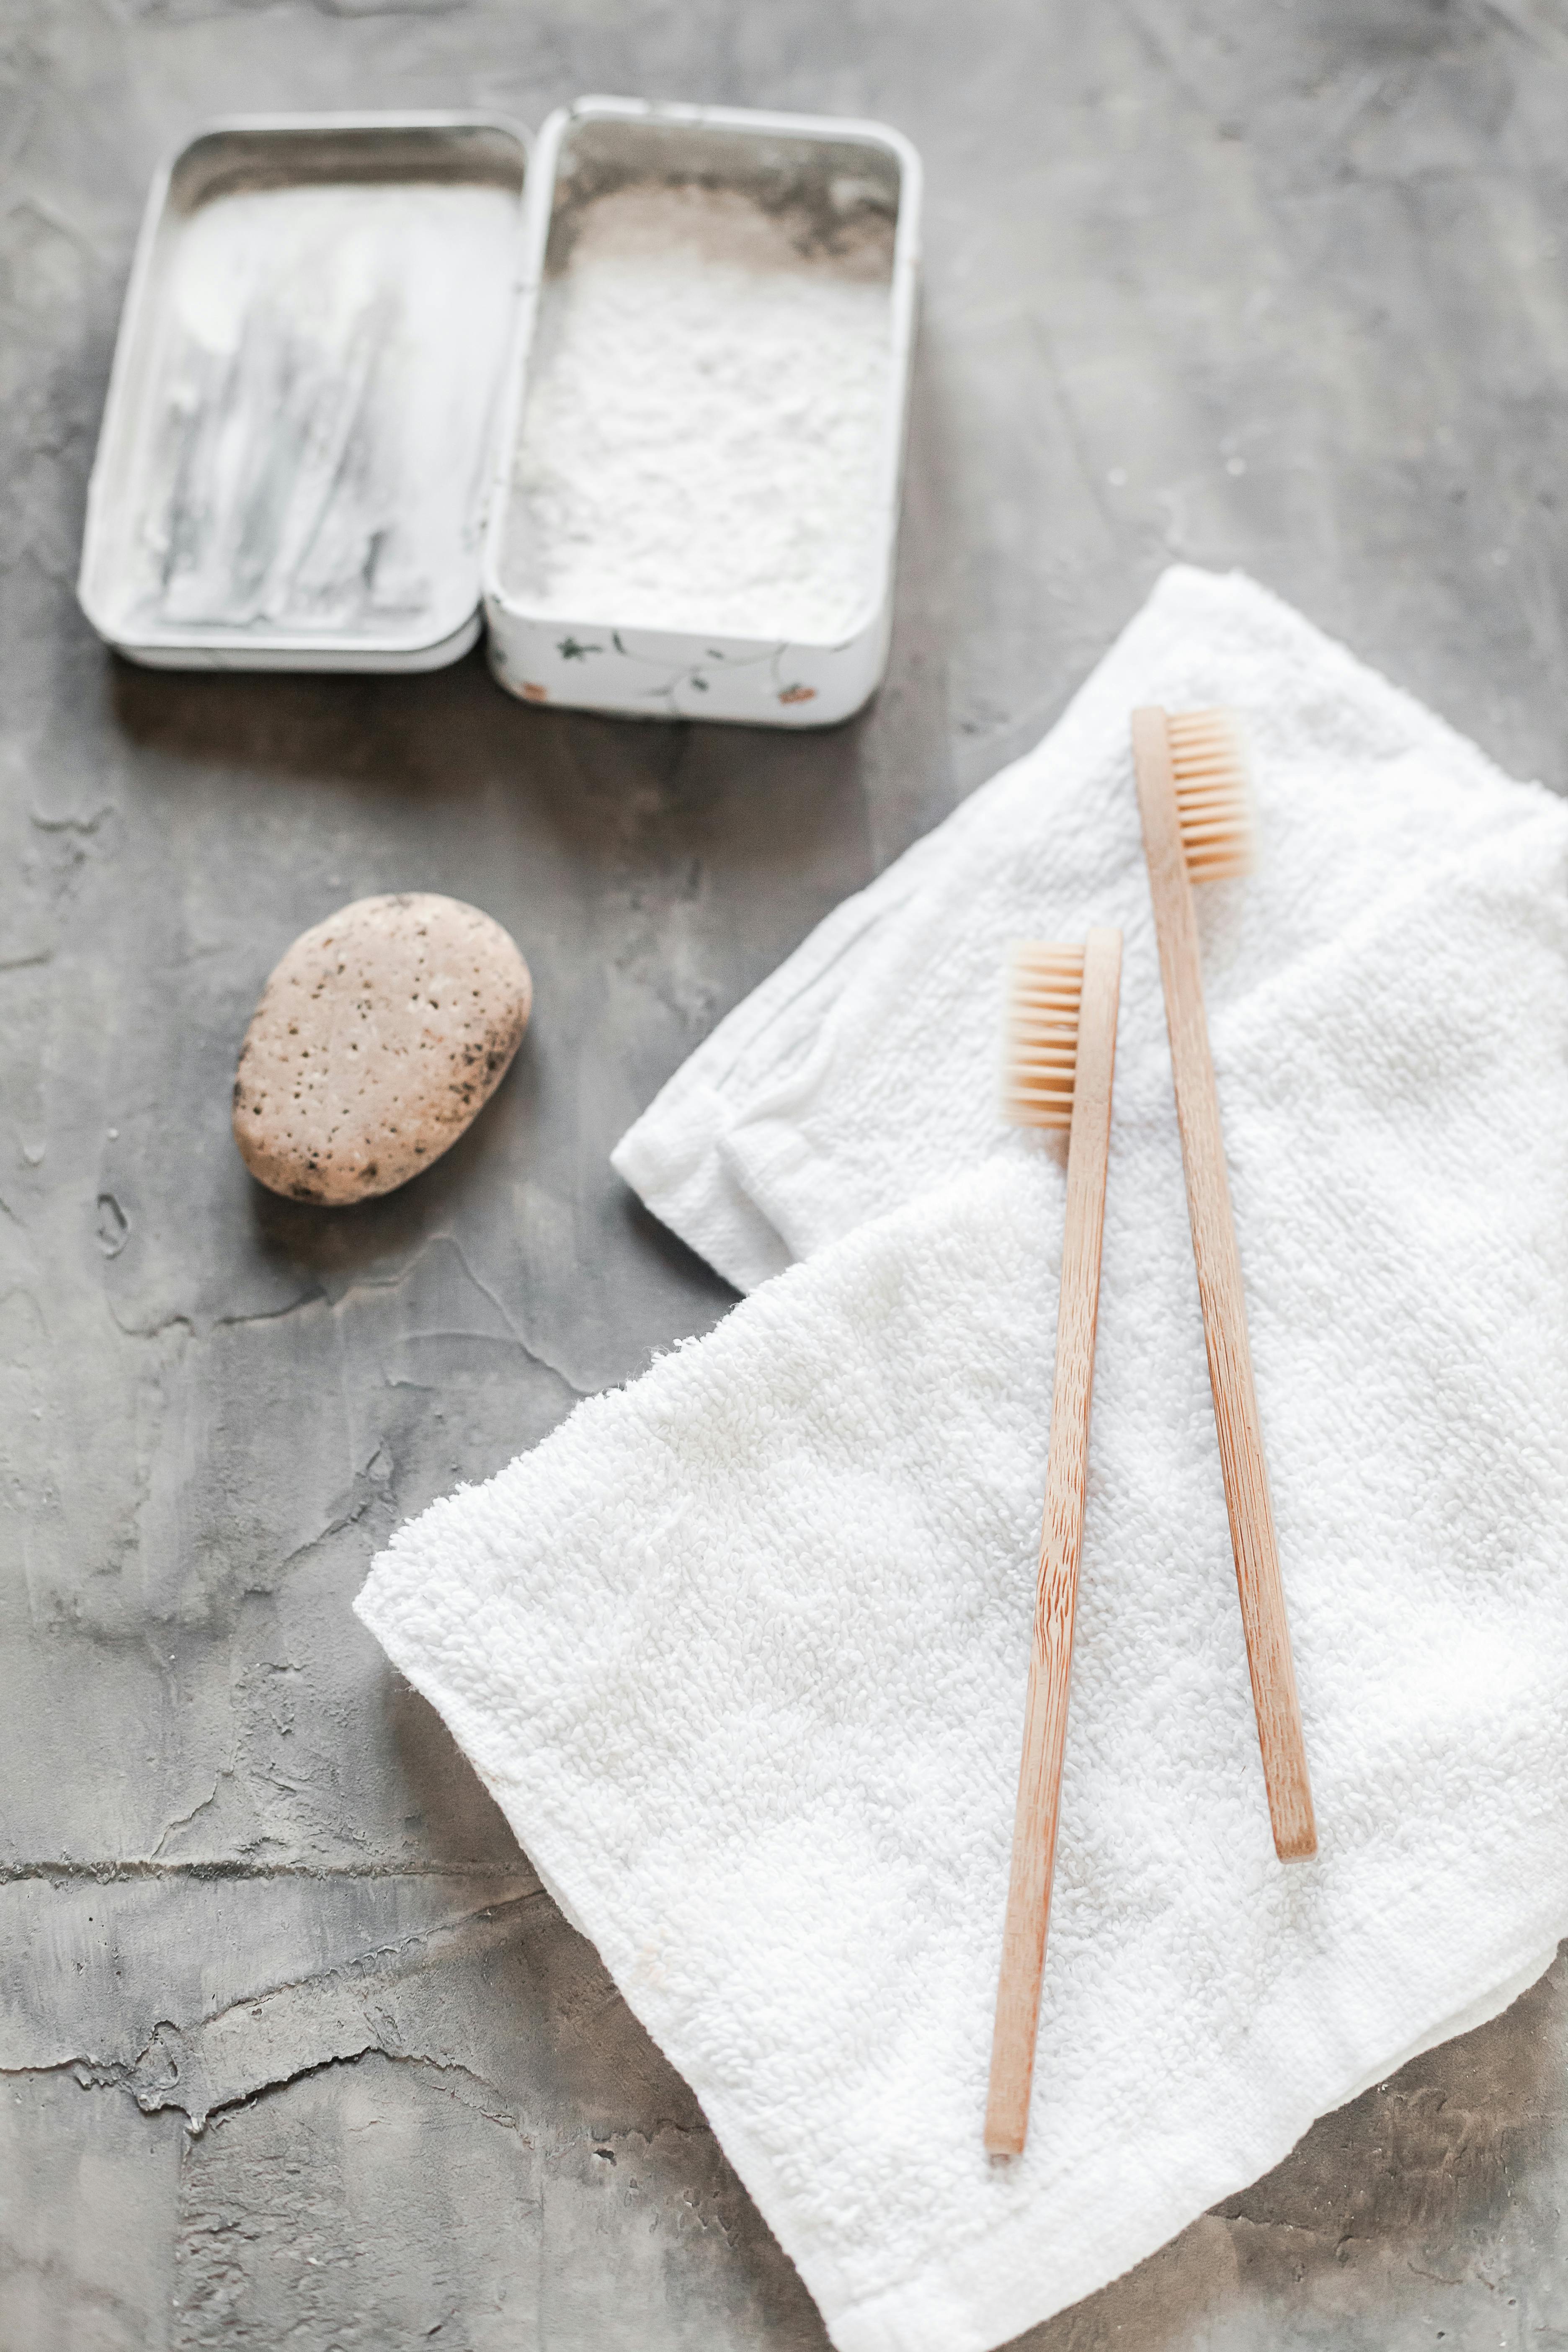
1282,286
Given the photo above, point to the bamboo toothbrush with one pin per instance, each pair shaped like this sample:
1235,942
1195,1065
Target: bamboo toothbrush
1197,826
1059,1057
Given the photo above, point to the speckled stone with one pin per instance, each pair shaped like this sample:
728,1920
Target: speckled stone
378,1039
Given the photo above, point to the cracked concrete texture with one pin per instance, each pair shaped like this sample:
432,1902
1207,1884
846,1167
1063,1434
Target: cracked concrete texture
1281,287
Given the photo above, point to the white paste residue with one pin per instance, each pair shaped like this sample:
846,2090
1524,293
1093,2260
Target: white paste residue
705,432
313,451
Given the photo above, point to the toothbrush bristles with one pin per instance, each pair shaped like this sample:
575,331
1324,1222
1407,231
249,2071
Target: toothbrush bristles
1039,1061
1214,793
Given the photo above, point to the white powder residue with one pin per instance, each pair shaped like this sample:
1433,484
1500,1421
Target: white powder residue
313,448
705,431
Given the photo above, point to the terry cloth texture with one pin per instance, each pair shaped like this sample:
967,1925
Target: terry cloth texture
741,1650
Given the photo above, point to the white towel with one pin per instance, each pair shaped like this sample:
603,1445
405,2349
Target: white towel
741,1650
863,1070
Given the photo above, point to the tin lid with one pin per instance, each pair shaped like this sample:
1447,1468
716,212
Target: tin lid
296,450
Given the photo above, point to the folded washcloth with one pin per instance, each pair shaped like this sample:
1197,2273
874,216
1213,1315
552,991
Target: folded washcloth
741,1650
863,1070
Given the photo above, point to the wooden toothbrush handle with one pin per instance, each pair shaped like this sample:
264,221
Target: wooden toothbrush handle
1248,1499
1061,1538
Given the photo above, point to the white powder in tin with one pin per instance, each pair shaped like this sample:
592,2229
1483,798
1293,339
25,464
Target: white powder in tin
705,424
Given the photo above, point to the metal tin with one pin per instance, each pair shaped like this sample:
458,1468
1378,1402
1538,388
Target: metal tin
297,440
597,660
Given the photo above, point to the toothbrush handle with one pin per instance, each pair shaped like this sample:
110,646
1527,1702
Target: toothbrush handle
1248,1499
1061,1537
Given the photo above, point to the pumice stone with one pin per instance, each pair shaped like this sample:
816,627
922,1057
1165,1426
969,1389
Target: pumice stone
378,1039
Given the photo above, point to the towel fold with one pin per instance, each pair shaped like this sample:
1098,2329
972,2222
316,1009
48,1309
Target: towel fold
862,1071
741,1650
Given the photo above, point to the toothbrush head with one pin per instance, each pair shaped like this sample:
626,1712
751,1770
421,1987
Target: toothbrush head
1039,1050
1211,773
